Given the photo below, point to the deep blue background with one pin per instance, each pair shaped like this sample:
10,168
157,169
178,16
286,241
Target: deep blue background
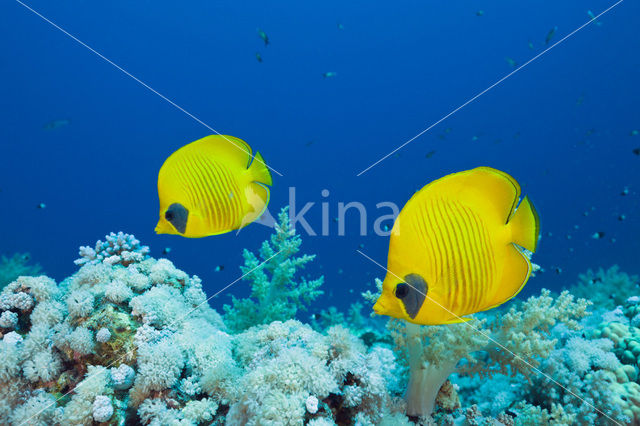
400,67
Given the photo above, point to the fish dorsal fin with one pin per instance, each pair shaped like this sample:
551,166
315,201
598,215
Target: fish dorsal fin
229,149
482,187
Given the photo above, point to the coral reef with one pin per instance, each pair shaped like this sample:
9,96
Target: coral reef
129,339
606,288
17,265
510,343
123,330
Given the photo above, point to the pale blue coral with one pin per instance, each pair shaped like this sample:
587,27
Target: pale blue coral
276,292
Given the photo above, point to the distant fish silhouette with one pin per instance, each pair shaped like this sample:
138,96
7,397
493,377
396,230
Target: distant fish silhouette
263,36
56,124
550,34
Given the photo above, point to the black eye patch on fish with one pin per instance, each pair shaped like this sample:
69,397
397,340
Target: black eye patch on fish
412,293
177,215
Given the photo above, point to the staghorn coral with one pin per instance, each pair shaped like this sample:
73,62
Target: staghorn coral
276,294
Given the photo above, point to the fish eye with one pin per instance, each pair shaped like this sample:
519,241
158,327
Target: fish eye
402,290
168,215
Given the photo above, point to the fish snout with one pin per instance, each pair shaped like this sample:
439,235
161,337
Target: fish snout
161,228
379,308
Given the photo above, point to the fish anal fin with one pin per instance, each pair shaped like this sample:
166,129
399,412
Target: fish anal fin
458,320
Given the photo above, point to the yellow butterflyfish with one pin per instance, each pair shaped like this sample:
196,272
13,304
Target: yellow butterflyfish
212,186
457,248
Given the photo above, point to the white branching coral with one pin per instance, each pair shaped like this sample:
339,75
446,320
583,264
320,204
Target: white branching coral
276,293
117,248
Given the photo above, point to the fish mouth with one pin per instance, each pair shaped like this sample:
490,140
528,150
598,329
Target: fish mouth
160,229
379,308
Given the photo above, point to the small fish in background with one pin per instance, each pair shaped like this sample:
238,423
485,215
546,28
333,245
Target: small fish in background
557,270
329,74
430,154
41,206
531,45
634,133
195,182
593,18
360,246
340,26
624,192
550,35
218,268
166,250
386,228
457,248
480,12
259,57
475,138
621,217
263,36
511,62
636,151
597,235
56,124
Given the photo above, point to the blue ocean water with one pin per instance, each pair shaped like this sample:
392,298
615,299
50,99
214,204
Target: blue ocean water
562,125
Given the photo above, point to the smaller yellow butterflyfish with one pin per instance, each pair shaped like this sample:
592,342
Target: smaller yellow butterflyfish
212,186
456,248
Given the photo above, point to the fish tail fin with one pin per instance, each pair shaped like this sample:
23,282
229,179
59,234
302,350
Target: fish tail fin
525,225
259,170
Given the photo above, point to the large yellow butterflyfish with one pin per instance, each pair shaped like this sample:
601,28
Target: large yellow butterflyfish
211,186
457,248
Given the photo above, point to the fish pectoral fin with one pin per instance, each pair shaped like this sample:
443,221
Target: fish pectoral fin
517,270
